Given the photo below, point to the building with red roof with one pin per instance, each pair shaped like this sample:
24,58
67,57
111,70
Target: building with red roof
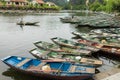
17,3
40,2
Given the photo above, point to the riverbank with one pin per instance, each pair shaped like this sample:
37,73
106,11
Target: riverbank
28,11
113,74
56,11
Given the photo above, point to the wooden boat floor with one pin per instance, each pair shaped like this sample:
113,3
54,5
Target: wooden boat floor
45,53
39,68
23,62
87,70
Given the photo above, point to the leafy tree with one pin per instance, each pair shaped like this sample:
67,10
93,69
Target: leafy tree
96,6
106,5
112,5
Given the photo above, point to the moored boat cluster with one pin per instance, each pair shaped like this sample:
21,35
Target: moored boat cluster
63,59
107,40
68,59
93,21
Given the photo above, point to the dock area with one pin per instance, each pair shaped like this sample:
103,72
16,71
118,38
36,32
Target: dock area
113,74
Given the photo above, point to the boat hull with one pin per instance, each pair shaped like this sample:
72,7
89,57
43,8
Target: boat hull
48,76
27,23
49,70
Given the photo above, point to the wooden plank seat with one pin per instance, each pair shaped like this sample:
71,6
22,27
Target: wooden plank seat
37,67
23,62
72,68
90,61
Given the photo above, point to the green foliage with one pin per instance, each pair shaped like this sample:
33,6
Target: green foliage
13,5
79,7
3,3
58,2
67,6
106,5
96,6
36,5
30,6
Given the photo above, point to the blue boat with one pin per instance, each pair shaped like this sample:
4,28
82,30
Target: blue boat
51,70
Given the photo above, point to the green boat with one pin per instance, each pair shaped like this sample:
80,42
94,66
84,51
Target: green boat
103,38
63,57
47,46
72,44
53,47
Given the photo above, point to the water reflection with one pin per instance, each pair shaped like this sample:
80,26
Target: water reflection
84,29
20,76
22,26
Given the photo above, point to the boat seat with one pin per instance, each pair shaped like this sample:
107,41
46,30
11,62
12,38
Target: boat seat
90,61
72,68
41,64
37,67
23,62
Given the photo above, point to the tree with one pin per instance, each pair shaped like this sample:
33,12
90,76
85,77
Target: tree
95,6
105,5
112,5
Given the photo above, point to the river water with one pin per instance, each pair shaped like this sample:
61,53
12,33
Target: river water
17,40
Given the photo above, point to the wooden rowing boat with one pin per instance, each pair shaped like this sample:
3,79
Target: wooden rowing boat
53,47
110,50
51,70
72,44
27,23
63,57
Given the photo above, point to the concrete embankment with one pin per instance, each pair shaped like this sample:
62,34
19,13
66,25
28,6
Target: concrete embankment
113,74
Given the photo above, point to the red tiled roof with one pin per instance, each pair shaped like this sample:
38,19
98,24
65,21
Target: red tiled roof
40,1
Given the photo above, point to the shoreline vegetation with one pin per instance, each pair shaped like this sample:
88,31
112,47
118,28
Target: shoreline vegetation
27,6
28,11
44,8
36,11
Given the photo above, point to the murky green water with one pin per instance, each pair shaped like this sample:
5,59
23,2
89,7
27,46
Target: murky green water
17,40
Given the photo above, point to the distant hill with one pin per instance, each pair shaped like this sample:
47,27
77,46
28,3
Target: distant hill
57,2
77,4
